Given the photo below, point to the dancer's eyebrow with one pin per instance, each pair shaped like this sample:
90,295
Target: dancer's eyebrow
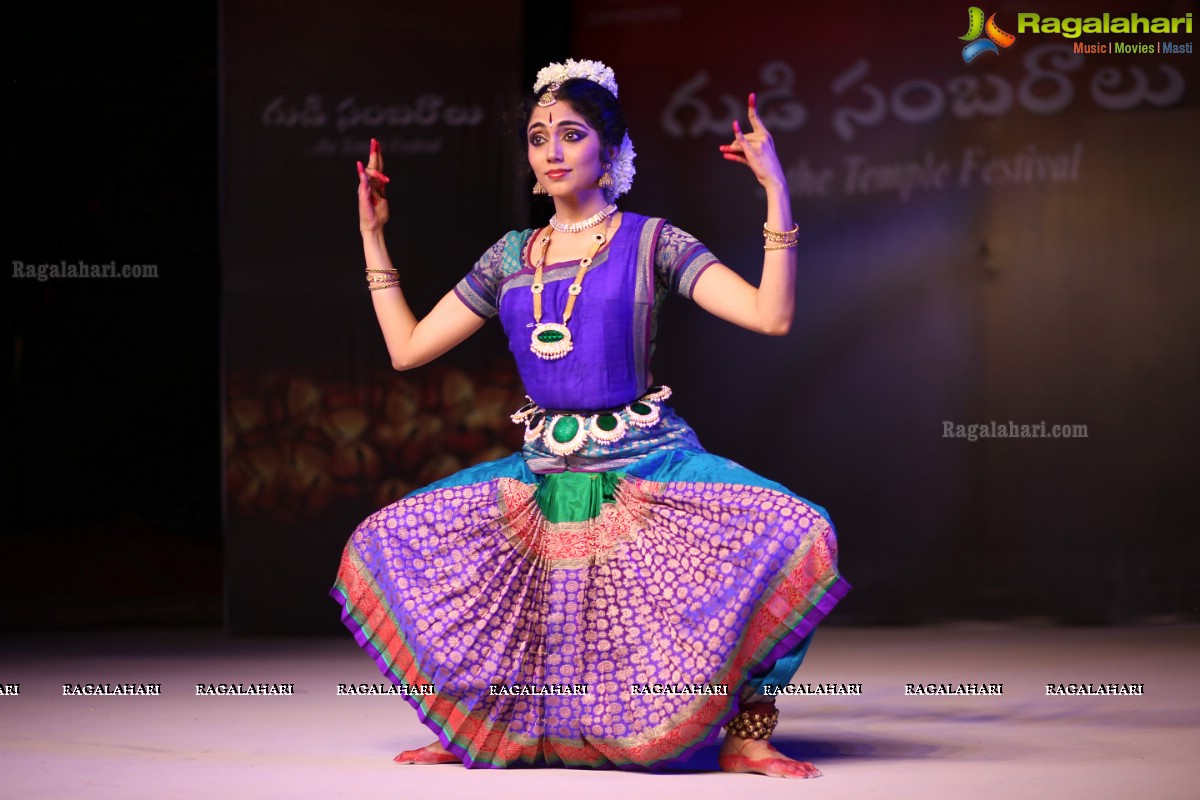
568,121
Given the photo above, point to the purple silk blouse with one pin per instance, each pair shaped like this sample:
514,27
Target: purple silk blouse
615,315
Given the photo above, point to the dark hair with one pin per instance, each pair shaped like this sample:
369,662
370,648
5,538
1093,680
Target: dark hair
593,102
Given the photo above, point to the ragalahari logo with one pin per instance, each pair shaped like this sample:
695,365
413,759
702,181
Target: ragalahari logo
996,38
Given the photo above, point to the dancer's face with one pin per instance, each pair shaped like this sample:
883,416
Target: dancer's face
565,153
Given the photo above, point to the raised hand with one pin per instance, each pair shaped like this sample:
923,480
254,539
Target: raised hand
372,200
755,149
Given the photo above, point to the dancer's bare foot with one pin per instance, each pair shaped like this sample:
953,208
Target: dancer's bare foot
429,754
758,756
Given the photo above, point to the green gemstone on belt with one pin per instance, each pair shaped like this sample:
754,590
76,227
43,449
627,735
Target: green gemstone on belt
565,429
549,337
640,408
606,422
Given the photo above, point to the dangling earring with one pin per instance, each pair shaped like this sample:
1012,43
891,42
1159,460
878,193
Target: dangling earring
539,189
606,180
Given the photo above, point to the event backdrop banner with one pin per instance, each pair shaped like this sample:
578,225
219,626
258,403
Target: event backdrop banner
997,232
319,430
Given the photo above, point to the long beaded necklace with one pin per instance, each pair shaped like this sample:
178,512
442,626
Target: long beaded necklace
552,340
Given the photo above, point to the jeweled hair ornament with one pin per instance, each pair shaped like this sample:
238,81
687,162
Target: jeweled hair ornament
548,97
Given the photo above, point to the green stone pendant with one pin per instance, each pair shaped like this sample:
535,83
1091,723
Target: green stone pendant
551,340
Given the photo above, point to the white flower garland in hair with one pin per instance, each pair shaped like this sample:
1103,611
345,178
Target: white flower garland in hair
600,73
594,71
622,170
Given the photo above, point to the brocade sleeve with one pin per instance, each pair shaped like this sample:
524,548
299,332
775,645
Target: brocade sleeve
679,260
479,290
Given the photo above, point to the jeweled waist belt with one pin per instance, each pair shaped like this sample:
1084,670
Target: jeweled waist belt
567,432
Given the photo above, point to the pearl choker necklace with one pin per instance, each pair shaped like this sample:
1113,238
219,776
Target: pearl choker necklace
590,222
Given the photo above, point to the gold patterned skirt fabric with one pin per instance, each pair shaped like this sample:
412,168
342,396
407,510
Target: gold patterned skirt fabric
587,619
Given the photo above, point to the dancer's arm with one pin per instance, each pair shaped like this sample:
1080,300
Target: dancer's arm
769,307
410,342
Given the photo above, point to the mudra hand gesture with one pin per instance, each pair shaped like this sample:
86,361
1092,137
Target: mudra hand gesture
755,149
372,202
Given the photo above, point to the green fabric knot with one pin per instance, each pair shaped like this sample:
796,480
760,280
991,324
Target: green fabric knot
576,496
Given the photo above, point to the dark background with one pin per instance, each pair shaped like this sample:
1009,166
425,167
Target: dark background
195,448
111,510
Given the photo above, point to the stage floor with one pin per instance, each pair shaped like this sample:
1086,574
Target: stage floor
315,744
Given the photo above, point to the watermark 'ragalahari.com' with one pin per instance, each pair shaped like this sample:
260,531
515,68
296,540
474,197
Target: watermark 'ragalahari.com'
59,270
1010,430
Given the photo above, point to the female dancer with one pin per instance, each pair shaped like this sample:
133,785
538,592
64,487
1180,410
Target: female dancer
613,594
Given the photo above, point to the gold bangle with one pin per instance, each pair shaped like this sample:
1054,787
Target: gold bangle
787,246
782,236
384,286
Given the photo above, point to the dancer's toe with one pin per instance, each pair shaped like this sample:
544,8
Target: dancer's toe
430,754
